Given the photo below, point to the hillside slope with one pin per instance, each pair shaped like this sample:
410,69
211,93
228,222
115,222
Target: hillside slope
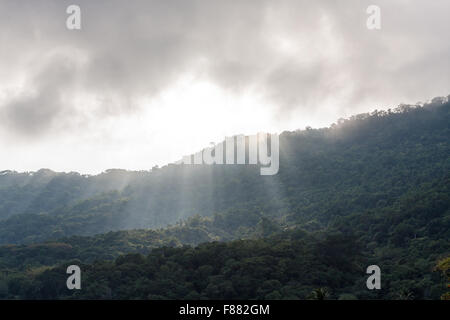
364,163
373,189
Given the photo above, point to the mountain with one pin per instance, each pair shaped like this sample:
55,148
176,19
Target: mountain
367,162
372,189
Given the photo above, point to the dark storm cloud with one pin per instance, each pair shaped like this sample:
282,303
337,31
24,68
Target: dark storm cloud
35,109
131,49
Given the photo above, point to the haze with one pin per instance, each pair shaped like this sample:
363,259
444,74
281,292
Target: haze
145,82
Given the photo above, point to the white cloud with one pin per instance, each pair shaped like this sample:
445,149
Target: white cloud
272,65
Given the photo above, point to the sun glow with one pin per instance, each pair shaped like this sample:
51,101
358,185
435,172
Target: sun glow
190,115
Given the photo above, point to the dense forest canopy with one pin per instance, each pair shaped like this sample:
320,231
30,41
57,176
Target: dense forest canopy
372,189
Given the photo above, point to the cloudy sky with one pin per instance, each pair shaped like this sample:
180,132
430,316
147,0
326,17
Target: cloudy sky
145,82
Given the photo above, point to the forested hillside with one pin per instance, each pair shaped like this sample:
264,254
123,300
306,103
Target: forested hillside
372,189
366,162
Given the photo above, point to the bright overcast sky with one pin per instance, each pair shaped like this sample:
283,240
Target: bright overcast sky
145,82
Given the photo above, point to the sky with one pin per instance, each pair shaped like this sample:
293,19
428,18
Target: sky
143,83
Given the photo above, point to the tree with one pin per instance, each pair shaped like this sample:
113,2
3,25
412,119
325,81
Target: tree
444,266
320,294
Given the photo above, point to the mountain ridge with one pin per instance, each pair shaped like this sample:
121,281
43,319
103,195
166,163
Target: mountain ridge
373,189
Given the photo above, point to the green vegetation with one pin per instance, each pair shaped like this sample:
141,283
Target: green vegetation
372,189
288,266
444,266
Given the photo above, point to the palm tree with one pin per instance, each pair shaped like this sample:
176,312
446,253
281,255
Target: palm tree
320,294
405,294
